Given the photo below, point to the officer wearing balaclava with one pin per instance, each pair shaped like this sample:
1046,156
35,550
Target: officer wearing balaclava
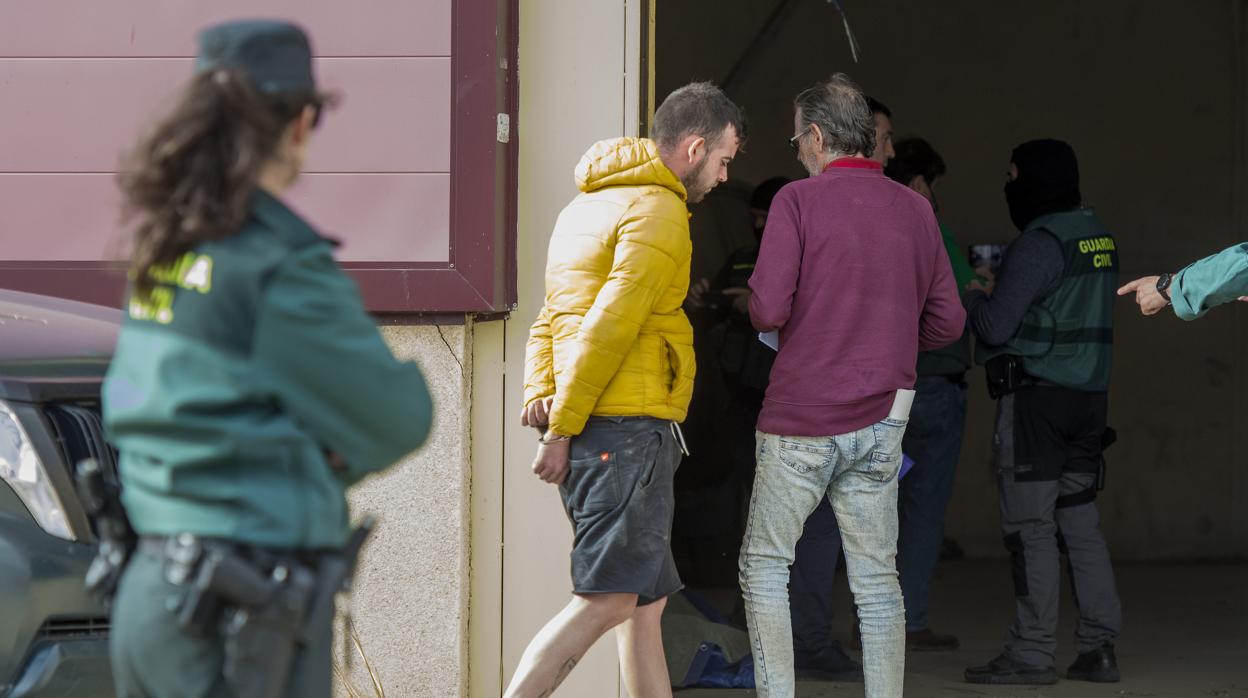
1045,336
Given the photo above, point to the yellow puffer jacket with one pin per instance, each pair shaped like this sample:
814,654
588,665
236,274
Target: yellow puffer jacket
611,339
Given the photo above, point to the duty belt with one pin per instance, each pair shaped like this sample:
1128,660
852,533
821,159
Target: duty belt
263,603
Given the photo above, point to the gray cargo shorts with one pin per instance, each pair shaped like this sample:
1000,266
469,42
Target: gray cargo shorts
618,496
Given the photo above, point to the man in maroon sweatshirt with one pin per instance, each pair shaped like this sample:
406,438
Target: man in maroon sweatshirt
854,275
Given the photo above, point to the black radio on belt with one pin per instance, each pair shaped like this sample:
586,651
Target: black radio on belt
1005,375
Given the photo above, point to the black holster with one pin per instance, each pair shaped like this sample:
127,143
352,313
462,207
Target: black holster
263,604
260,641
1005,375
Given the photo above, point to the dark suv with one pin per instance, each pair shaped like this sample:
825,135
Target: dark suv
53,355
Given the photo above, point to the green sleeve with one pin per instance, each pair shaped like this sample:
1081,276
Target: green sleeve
317,349
963,274
1212,281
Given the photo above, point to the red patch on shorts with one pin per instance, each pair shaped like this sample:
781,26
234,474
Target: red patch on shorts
605,457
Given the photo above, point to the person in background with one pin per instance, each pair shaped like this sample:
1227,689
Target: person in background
825,522
746,364
609,370
853,276
1198,287
883,118
249,389
937,421
1045,337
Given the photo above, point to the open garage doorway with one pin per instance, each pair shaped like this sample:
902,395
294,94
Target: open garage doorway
1151,95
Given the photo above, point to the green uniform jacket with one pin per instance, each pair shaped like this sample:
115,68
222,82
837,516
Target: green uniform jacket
252,359
1214,280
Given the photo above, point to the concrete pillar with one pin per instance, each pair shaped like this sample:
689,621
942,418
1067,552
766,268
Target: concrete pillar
410,604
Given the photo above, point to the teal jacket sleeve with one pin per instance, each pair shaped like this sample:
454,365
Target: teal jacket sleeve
1212,281
321,353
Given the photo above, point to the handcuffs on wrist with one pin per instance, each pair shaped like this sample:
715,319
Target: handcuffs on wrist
541,439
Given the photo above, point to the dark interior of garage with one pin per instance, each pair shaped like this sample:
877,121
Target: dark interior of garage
1153,97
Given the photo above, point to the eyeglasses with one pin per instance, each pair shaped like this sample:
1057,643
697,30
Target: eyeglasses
793,142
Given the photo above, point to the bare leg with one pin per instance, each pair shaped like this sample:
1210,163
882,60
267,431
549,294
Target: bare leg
642,663
559,646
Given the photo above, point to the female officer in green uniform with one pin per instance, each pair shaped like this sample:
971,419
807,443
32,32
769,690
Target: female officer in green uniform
249,387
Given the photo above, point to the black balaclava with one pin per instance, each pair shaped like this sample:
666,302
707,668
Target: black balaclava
1048,181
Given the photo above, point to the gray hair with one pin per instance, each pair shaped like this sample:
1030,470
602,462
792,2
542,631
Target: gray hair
840,110
698,108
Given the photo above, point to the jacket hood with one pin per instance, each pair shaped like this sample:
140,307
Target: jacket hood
625,162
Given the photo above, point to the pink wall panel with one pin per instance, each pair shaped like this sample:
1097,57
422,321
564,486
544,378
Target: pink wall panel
395,116
114,28
77,115
382,217
60,217
81,79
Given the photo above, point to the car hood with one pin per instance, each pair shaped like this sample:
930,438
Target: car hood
52,341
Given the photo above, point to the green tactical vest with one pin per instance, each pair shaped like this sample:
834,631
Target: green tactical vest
1067,337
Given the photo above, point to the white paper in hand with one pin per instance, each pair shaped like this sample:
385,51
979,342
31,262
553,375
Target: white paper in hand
771,339
901,405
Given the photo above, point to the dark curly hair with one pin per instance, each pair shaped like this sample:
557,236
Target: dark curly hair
190,177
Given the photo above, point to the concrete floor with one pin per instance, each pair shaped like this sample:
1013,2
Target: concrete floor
1185,635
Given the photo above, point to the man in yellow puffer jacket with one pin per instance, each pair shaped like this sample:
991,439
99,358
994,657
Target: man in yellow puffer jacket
609,373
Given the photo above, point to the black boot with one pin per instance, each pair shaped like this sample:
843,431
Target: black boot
1004,670
927,641
828,664
1099,665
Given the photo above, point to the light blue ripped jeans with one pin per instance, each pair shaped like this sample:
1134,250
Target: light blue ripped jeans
858,474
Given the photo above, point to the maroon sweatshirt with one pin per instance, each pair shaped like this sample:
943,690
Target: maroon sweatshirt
854,274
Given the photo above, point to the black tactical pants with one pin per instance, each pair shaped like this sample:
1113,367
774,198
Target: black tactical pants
1047,447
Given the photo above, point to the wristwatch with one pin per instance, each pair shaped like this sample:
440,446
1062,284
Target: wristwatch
1163,285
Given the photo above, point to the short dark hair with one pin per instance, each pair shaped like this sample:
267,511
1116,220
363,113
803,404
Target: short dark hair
877,107
915,158
698,108
839,108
